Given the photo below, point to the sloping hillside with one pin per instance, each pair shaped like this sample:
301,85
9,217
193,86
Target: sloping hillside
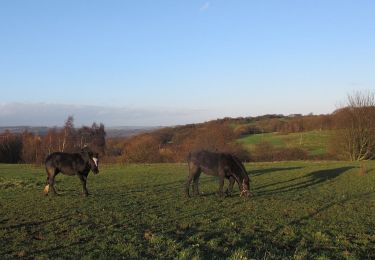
314,142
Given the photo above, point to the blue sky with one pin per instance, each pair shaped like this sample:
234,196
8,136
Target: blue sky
176,62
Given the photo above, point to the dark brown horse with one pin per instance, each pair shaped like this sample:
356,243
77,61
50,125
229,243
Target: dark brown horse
223,165
71,164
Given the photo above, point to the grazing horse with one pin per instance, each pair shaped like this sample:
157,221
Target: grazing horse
71,164
223,165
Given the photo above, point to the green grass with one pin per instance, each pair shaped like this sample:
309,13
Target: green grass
299,210
315,142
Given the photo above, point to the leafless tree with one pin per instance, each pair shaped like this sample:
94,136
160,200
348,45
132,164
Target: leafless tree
355,134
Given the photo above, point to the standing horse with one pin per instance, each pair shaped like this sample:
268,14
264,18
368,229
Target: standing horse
223,165
71,164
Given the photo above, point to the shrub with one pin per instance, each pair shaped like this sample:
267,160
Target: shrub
289,154
265,151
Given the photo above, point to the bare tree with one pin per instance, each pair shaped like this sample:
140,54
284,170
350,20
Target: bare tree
68,135
355,134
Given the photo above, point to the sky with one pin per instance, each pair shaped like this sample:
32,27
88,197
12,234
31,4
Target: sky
174,62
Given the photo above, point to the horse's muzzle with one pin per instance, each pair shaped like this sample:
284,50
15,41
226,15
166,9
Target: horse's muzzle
245,193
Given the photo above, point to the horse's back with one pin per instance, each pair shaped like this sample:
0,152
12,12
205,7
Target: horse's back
213,162
62,162
207,161
55,158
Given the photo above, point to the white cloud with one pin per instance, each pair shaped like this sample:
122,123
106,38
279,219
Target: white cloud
204,7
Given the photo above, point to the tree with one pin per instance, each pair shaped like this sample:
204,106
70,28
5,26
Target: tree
355,134
93,136
141,149
32,148
68,136
98,140
10,147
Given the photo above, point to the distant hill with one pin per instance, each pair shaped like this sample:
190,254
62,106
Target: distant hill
112,132
128,131
40,130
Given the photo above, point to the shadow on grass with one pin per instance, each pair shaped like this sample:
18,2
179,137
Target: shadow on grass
256,244
4,221
270,170
35,223
51,252
30,227
301,221
311,179
329,205
52,249
328,174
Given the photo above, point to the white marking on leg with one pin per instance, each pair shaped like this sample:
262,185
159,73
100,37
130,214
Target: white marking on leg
46,189
95,161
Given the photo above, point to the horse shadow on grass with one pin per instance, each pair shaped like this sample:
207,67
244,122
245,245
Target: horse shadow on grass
32,227
270,170
311,179
303,220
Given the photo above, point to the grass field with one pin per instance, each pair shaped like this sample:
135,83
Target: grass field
299,210
315,142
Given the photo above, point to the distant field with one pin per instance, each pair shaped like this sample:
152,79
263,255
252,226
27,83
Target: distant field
315,142
299,210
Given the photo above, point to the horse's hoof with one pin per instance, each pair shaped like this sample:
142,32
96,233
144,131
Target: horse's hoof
46,190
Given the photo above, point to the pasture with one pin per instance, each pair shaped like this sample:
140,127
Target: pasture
314,142
298,210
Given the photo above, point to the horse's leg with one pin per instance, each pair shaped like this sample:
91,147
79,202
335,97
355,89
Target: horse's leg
193,170
195,183
221,183
230,186
83,179
240,186
51,182
221,186
51,173
46,188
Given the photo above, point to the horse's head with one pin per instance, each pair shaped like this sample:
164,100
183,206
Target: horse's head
243,178
94,163
92,159
245,188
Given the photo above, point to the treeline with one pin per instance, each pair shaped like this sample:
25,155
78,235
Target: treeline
174,143
283,124
353,138
33,148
